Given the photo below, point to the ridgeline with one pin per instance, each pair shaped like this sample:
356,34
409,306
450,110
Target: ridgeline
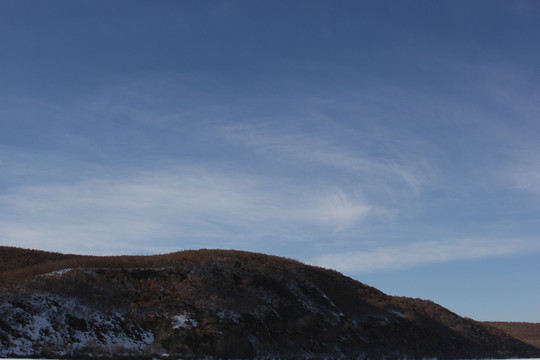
221,304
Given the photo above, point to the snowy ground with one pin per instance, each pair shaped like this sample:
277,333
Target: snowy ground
57,325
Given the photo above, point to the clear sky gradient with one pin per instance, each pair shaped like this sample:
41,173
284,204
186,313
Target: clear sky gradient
394,141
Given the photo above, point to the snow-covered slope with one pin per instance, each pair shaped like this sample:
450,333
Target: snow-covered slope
41,323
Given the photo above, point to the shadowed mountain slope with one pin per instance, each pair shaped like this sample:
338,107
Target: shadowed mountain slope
224,304
526,332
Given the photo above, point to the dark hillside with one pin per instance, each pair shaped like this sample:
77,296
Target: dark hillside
226,304
524,331
17,264
12,258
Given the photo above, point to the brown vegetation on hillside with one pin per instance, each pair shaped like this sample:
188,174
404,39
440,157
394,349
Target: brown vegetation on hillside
248,304
524,331
12,258
18,264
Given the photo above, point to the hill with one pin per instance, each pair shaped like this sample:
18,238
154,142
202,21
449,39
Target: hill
223,304
524,331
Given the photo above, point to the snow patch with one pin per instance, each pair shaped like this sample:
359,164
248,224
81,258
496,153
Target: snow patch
184,321
57,273
36,322
229,315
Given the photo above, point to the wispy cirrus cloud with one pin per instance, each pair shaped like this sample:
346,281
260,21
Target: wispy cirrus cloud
186,204
524,173
286,165
421,253
398,167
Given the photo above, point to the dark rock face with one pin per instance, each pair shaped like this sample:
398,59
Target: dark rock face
228,304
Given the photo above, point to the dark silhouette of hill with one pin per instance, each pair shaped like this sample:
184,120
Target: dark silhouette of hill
225,304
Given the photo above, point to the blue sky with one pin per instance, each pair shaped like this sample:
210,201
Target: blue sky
394,141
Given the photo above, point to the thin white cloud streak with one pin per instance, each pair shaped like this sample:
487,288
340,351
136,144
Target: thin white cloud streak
420,253
408,170
524,174
188,204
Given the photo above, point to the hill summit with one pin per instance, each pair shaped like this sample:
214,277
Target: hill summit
220,304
